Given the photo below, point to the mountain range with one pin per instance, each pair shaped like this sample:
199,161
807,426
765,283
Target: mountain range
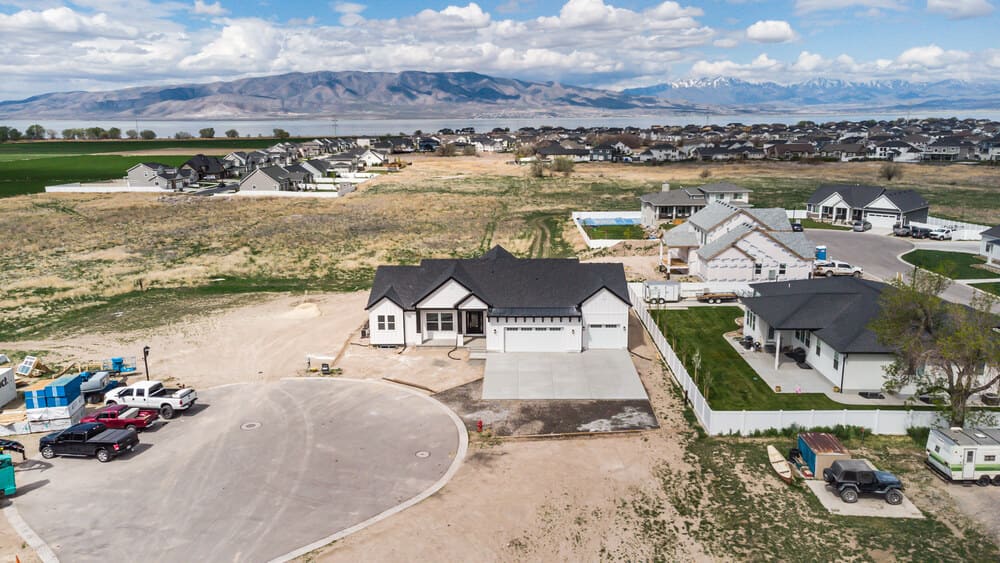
412,94
343,94
820,93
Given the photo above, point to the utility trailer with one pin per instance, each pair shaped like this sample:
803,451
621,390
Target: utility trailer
660,292
965,455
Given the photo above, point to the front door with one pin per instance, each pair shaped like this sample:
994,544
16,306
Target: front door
473,322
969,465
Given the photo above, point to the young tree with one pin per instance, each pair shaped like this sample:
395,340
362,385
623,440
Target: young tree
469,150
232,133
206,133
563,164
132,134
890,171
446,150
705,173
537,169
69,134
95,133
34,132
51,133
180,135
147,134
281,133
9,134
114,133
939,346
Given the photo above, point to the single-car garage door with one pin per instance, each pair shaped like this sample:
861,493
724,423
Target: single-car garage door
605,336
534,339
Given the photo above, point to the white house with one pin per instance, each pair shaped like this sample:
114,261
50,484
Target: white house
515,305
724,242
828,318
990,247
670,205
875,204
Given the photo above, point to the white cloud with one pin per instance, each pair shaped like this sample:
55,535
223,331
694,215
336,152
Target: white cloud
808,6
960,9
726,43
809,62
464,17
205,9
771,31
931,56
350,12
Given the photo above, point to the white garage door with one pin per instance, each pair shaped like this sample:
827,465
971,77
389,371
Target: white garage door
534,339
605,336
881,220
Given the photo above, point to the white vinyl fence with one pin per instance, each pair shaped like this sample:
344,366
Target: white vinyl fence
959,229
747,422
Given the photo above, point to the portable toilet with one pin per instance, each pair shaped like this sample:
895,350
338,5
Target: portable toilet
821,252
819,450
8,390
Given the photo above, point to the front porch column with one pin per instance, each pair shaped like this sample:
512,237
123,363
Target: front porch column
777,348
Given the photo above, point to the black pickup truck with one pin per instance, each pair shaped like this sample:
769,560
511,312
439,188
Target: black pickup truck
853,477
89,439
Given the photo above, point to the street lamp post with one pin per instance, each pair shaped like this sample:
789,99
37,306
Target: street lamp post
145,360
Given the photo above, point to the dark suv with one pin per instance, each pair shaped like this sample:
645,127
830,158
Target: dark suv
854,477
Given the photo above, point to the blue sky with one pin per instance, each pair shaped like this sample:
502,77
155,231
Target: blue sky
109,44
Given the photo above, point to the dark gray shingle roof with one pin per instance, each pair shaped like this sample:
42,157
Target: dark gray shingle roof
503,281
837,309
993,232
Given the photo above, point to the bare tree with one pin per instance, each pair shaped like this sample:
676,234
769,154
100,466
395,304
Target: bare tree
563,164
890,171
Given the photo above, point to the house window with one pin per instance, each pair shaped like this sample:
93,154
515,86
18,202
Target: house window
781,269
989,458
387,322
440,321
770,333
989,247
758,269
836,360
817,349
808,337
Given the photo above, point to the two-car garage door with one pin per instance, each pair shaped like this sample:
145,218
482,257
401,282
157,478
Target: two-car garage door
534,339
882,220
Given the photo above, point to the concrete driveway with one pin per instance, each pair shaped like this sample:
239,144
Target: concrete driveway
878,255
592,374
258,472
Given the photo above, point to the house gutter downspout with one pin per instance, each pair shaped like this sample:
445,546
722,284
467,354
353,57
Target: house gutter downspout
843,366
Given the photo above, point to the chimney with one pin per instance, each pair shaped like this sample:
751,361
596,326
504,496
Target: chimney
665,187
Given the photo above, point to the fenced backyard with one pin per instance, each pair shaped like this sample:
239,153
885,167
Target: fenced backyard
720,422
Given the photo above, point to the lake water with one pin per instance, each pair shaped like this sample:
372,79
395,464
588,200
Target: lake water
352,127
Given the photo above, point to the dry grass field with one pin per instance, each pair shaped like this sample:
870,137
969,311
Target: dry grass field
70,261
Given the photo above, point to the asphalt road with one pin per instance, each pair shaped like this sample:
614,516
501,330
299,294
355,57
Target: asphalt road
327,454
878,255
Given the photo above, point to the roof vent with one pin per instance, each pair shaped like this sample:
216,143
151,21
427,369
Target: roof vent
956,428
980,435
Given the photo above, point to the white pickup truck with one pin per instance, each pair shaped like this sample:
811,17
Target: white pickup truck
830,268
153,395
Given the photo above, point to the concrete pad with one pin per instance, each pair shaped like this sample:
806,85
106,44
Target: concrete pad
592,374
866,505
321,457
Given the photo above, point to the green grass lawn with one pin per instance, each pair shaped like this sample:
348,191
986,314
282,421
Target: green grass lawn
955,265
31,176
735,385
993,288
616,232
812,224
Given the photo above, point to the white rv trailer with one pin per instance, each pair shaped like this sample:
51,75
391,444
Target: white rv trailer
970,455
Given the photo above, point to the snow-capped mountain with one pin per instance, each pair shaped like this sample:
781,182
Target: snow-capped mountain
828,93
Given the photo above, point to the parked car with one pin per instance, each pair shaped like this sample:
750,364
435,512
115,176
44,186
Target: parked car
940,234
123,416
797,227
919,232
832,268
851,478
901,230
152,394
89,439
861,226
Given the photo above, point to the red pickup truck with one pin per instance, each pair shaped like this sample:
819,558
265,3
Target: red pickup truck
123,416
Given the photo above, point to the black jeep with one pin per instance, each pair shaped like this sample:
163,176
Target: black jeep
853,477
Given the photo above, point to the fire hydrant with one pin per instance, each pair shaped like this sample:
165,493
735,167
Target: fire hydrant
479,426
